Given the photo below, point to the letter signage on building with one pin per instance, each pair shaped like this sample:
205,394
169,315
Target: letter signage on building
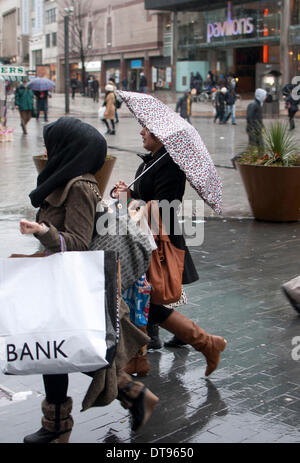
230,27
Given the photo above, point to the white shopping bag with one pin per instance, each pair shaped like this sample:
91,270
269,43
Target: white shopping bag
52,313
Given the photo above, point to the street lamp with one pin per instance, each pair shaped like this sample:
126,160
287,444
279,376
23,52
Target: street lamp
68,12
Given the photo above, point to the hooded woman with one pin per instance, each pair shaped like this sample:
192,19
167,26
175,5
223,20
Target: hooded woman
67,195
254,119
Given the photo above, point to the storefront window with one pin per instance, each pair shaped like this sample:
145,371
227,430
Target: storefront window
256,22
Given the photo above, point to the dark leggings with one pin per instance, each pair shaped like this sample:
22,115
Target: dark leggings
158,313
56,388
107,124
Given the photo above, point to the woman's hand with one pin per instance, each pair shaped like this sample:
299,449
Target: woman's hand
121,188
28,228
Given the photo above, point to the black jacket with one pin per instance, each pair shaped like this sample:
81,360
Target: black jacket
254,116
291,104
230,97
165,181
184,106
220,99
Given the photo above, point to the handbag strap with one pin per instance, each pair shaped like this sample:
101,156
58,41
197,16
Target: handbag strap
154,216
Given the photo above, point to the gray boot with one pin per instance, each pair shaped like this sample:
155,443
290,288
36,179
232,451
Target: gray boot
57,424
153,333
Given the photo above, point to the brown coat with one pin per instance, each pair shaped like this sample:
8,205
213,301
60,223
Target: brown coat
110,106
70,210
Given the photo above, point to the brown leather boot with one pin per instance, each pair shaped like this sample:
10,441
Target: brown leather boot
188,331
135,397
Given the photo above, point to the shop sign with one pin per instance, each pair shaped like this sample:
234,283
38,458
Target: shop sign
91,66
136,64
230,27
12,71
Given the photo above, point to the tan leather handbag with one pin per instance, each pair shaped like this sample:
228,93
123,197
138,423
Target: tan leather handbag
166,265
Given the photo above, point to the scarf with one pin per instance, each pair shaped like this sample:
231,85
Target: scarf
74,148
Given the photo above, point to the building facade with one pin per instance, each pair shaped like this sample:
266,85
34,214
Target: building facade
119,39
14,35
248,38
42,16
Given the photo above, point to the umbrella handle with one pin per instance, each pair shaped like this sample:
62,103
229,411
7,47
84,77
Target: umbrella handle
137,178
111,193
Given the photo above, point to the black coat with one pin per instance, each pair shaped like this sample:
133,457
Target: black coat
292,104
254,117
184,106
165,181
220,100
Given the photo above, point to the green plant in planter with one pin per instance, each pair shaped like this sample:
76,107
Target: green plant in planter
280,149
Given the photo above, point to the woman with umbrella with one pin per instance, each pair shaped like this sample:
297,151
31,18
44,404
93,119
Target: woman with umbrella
178,152
41,86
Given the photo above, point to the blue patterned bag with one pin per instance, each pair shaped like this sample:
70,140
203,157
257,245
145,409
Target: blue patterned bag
137,297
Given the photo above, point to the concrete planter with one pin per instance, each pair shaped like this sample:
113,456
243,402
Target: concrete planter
102,176
273,192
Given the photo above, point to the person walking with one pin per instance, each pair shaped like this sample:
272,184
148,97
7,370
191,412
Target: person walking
292,106
184,105
110,112
24,103
142,83
112,82
230,99
67,196
42,104
220,105
166,181
74,86
255,119
95,87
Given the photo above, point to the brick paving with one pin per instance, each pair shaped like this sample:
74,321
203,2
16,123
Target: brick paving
254,396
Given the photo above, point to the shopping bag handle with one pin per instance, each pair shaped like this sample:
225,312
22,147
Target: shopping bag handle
63,246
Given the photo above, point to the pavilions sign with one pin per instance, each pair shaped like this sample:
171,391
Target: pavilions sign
230,27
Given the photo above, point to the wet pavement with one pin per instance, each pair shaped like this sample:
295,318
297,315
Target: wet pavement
254,395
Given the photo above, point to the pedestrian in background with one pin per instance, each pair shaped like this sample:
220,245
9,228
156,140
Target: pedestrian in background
42,104
112,82
110,111
74,86
95,87
184,105
143,83
24,103
231,81
292,106
220,100
230,99
255,119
